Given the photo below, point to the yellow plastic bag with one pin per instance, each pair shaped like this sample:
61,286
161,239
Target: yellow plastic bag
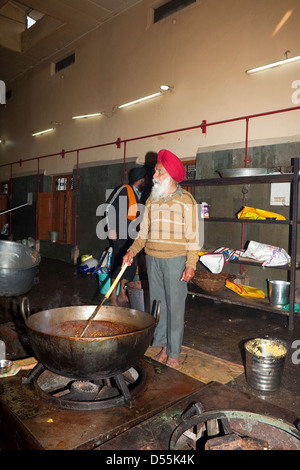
252,213
245,291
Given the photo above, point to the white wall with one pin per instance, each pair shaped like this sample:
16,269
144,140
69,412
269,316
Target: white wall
203,51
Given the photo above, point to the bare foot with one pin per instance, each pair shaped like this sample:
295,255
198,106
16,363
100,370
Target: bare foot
172,362
161,356
113,303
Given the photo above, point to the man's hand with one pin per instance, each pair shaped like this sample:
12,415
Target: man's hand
187,274
128,258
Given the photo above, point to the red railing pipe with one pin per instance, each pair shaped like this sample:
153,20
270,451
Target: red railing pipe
203,126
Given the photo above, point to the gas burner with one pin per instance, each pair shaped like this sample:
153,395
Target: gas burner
232,430
73,394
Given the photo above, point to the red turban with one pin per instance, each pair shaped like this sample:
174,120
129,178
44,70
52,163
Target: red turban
172,164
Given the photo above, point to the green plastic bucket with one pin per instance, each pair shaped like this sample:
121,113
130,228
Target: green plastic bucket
105,283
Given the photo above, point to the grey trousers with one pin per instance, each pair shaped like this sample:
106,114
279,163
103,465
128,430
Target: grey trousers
165,285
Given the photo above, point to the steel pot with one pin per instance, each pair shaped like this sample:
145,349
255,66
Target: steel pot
18,264
88,357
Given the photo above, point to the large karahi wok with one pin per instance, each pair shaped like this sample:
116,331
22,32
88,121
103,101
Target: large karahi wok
89,357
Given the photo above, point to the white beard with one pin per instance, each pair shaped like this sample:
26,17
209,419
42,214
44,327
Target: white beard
160,188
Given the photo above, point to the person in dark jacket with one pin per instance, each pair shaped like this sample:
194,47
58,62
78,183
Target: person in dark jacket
122,230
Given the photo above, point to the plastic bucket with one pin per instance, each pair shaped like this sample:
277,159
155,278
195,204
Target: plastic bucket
265,359
105,283
279,292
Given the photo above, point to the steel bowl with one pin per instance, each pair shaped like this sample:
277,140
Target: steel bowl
5,366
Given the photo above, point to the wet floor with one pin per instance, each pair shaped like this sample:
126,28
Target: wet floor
213,328
222,329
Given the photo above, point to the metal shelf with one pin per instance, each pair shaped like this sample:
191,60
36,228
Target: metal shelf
242,180
248,221
292,178
257,264
229,297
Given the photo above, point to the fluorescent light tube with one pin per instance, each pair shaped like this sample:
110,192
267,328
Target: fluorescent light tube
43,132
82,116
274,64
140,100
166,87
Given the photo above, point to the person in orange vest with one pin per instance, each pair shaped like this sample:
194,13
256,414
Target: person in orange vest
122,230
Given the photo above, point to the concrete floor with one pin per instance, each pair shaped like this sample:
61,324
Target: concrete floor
214,328
222,329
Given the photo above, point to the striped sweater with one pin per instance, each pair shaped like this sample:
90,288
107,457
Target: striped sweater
170,228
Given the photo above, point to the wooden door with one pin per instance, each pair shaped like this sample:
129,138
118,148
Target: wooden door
3,207
45,215
55,215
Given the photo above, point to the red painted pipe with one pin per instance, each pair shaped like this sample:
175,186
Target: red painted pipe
119,141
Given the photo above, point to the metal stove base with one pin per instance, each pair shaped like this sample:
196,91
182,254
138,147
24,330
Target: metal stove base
84,395
27,421
157,432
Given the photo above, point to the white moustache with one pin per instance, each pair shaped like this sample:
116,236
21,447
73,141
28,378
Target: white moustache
160,188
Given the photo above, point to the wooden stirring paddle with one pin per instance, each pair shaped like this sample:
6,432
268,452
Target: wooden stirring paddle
107,295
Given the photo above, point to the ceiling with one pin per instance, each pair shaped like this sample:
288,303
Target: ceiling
59,24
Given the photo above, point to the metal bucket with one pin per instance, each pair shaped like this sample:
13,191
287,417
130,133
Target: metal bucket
54,236
265,359
138,294
279,292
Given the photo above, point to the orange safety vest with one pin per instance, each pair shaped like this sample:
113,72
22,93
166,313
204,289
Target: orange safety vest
132,205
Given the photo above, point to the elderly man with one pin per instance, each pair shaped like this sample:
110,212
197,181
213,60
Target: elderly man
169,235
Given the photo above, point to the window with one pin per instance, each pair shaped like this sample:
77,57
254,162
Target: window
4,187
190,174
190,170
169,8
62,182
32,17
30,22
